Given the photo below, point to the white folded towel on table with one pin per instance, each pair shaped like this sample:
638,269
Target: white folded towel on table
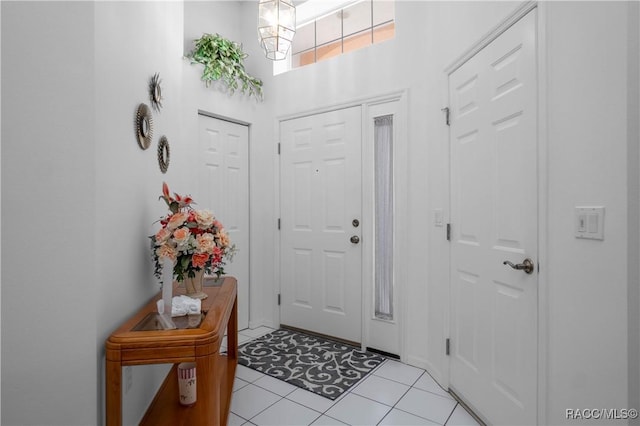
185,305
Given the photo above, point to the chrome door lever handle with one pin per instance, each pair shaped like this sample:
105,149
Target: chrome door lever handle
526,266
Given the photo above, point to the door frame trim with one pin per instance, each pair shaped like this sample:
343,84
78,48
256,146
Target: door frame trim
542,181
402,263
223,118
369,100
494,33
401,231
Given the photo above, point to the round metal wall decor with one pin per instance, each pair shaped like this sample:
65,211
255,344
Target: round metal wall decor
163,154
155,92
144,126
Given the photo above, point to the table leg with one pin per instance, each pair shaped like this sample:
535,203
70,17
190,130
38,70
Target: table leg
113,373
232,332
207,387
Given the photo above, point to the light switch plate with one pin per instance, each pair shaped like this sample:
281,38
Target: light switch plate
437,217
589,222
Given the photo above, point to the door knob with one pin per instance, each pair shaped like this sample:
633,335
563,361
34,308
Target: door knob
526,266
355,239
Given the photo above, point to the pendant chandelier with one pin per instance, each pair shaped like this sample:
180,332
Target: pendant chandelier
276,27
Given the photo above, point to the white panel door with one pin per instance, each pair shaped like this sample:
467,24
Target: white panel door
494,212
223,177
321,195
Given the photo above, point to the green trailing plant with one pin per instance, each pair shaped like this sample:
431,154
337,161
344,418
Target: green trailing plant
223,60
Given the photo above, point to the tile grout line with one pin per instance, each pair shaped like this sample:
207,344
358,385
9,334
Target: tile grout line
400,399
451,414
269,390
424,390
264,409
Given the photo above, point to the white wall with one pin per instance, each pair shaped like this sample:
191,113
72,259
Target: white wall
587,148
80,197
0,204
133,40
633,173
48,220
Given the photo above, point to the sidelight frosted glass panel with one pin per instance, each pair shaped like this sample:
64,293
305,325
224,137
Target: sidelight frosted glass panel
383,141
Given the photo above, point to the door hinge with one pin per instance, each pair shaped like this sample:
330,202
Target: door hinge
448,232
446,116
278,299
278,223
447,346
278,148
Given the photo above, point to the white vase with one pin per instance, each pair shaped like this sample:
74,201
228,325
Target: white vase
194,285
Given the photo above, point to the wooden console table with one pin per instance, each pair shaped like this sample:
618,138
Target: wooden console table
139,342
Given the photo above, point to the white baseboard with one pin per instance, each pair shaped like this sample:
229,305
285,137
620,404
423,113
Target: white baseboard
263,323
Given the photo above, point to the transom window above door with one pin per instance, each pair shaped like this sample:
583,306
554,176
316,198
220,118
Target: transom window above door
323,33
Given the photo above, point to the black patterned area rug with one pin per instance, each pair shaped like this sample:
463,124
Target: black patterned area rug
325,367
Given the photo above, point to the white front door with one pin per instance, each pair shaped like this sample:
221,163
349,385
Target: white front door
494,215
223,178
320,196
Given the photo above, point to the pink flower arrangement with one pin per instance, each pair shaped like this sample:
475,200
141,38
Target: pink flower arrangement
193,239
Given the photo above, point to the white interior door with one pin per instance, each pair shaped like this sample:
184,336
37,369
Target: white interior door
494,208
223,176
320,196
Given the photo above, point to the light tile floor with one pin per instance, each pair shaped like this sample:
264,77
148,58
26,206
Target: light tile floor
393,394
